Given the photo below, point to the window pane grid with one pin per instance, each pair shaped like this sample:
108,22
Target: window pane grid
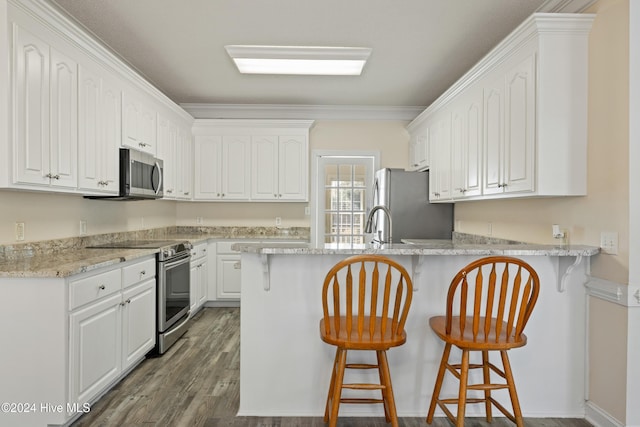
345,191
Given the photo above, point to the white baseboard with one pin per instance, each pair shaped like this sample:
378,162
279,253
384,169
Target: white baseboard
598,417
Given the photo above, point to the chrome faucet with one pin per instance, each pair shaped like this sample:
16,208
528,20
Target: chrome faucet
369,225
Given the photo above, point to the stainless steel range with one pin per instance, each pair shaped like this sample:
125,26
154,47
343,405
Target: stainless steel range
173,287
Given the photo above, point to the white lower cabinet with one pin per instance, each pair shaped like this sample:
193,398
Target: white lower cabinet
228,271
199,277
111,326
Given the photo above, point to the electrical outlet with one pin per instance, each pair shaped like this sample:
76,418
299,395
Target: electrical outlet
307,211
19,231
199,220
83,227
278,221
609,242
489,229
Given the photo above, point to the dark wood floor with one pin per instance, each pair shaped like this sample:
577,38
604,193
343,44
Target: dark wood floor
196,383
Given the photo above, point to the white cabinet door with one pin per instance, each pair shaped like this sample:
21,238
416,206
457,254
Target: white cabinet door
138,124
236,164
228,276
208,174
138,322
519,147
279,168
203,285
31,108
264,167
99,130
111,132
440,171
493,135
96,347
64,121
184,172
466,140
293,168
90,154
419,149
166,152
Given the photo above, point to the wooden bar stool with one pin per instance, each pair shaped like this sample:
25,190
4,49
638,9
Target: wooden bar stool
494,297
368,313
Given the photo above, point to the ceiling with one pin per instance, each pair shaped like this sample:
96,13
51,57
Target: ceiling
420,47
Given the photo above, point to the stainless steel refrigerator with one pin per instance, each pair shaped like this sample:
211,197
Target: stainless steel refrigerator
406,195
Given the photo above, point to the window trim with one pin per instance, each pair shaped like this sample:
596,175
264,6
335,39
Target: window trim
316,155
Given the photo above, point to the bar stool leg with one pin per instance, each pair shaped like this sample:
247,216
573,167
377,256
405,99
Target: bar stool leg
486,373
512,389
383,382
331,384
388,390
337,387
462,394
439,379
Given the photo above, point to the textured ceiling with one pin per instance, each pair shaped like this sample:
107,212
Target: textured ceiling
420,47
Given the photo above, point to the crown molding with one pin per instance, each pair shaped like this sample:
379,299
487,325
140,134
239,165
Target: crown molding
565,6
305,112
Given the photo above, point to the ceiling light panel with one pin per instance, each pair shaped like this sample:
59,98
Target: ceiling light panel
299,60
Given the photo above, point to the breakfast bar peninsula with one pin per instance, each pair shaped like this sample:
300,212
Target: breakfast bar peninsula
285,368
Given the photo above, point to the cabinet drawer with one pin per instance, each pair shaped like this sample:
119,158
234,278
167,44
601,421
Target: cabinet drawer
94,287
198,251
138,272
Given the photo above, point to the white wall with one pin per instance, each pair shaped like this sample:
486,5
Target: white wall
53,216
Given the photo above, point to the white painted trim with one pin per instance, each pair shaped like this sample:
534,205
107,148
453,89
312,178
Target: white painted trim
313,197
565,6
624,295
312,112
598,417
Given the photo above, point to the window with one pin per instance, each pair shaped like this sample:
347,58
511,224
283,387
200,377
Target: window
341,197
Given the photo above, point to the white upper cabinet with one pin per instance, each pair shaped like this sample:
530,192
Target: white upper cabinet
45,128
222,167
518,118
279,168
100,129
251,160
174,148
73,104
138,124
419,149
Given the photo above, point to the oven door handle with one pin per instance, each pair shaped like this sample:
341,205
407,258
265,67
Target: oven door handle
174,262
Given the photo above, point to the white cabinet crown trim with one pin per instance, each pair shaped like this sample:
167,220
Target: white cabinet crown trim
536,24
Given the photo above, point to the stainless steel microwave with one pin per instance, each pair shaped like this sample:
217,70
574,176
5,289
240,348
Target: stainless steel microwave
140,177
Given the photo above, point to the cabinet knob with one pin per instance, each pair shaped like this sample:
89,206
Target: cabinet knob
143,272
186,193
102,287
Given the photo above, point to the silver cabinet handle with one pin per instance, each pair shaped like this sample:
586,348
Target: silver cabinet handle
237,265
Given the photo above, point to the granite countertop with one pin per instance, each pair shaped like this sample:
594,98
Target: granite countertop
67,257
69,262
422,247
